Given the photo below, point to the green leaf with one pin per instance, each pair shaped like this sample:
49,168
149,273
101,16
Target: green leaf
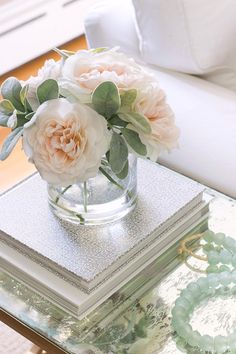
62,53
140,122
29,115
116,121
124,173
10,143
48,90
98,50
10,90
21,120
72,92
134,141
106,99
6,107
118,153
103,171
23,93
3,119
23,98
128,97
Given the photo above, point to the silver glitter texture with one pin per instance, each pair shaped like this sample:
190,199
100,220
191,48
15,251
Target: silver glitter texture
86,252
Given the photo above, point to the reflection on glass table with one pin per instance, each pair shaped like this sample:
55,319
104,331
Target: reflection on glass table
137,319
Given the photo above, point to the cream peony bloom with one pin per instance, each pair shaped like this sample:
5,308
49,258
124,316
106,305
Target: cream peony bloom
151,102
50,70
66,141
89,69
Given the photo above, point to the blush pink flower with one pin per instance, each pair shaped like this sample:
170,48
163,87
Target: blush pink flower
151,102
89,69
66,141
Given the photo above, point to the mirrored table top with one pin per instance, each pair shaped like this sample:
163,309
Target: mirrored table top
128,323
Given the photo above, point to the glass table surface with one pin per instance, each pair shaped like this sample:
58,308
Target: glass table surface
137,319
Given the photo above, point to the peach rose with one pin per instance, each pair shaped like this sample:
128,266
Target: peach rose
89,69
66,141
151,102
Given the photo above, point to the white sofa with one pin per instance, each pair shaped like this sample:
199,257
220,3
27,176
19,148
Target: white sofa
205,112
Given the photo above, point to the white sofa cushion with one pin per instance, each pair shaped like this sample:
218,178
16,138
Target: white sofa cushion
206,116
196,37
112,23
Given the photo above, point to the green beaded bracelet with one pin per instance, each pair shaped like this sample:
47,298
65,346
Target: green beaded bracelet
195,292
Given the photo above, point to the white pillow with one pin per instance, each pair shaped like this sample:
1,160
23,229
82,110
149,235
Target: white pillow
191,36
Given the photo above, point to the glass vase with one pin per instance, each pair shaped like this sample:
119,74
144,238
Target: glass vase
100,200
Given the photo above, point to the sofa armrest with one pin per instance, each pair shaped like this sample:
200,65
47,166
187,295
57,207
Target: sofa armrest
112,23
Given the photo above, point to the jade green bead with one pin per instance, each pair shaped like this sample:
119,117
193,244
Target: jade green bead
181,344
194,339
184,303
208,236
207,343
186,294
229,243
203,284
225,257
234,261
220,344
233,276
213,279
225,278
194,289
207,248
224,268
179,313
213,257
219,238
233,290
224,290
212,269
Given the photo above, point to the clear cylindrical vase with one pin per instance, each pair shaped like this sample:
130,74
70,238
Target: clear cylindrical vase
102,199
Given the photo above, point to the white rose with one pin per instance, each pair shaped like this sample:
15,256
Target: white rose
50,70
151,102
89,69
66,141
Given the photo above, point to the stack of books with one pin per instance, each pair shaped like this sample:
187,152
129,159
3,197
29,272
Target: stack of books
79,267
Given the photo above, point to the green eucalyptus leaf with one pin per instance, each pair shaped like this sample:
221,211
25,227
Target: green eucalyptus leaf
133,140
47,90
128,97
73,93
106,99
64,54
12,121
3,119
23,97
124,173
118,153
6,107
140,122
21,120
29,116
98,50
10,143
23,93
116,121
10,90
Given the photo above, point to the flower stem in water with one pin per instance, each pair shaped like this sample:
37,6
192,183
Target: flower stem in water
85,197
60,194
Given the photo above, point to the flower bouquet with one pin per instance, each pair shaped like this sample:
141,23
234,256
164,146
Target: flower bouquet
83,121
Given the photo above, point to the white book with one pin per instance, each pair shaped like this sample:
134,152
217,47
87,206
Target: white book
72,298
88,256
